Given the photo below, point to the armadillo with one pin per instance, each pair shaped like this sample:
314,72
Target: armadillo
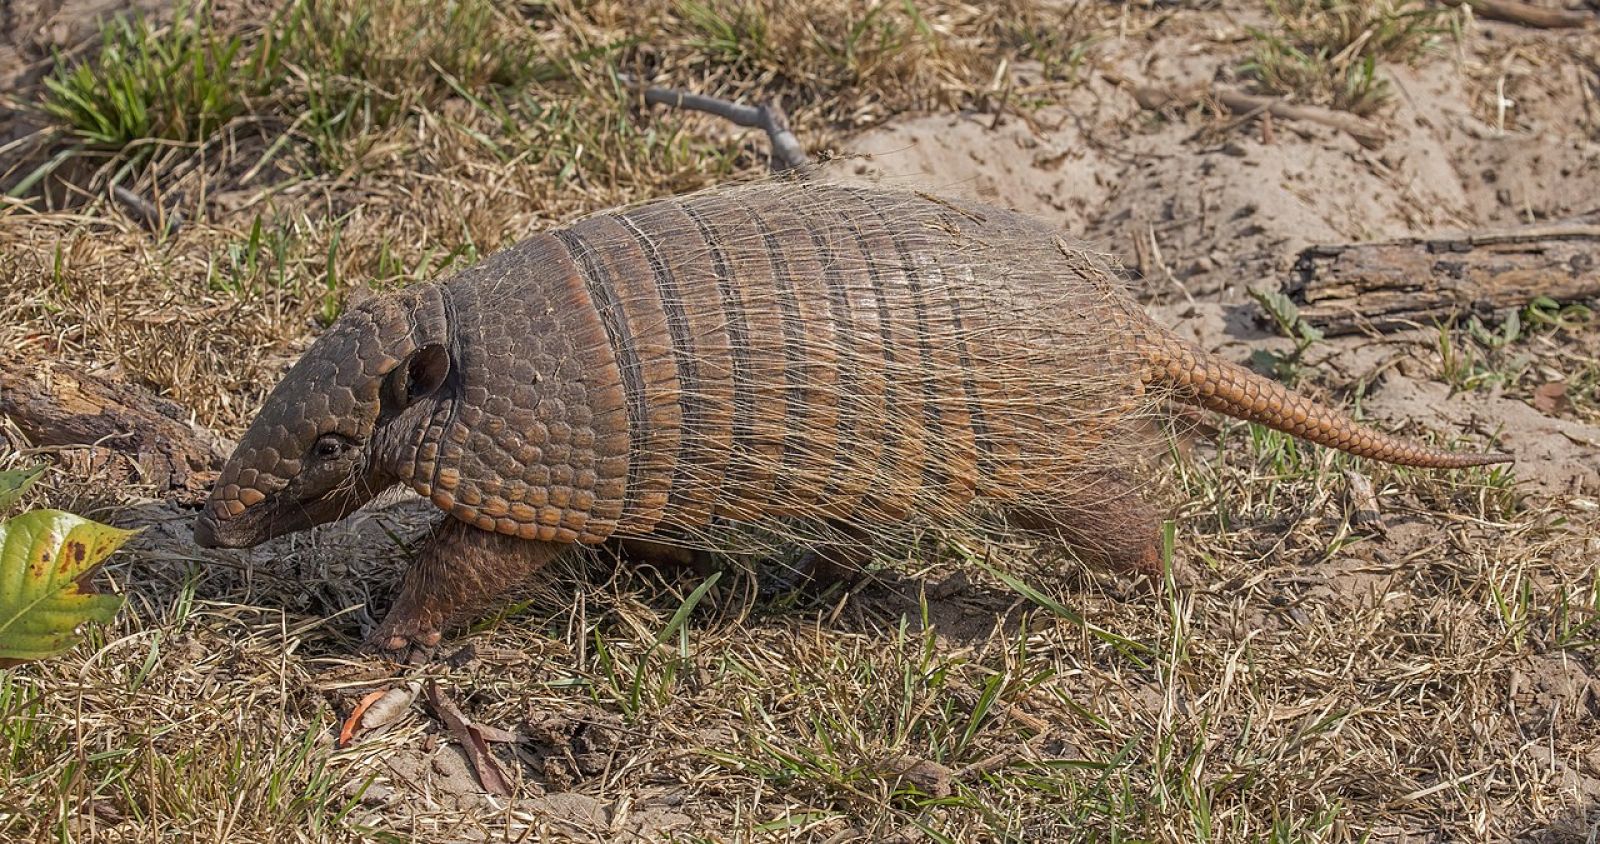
839,355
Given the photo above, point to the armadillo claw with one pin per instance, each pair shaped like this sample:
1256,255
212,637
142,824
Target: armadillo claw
404,641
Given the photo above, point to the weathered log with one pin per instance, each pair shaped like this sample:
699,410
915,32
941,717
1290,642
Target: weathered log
1389,285
54,404
1527,14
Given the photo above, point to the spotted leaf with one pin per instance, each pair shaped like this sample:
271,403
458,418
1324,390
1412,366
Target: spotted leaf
46,559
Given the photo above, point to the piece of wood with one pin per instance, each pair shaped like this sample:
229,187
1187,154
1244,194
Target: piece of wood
1527,14
55,404
1395,284
788,154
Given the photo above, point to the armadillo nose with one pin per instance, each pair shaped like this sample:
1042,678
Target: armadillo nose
205,531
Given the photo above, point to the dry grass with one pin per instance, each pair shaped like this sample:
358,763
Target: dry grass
1330,52
1315,683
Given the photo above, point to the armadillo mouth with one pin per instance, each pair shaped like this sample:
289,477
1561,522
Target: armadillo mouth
219,527
205,532
211,533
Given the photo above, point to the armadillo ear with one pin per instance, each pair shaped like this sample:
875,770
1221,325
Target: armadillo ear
426,369
418,375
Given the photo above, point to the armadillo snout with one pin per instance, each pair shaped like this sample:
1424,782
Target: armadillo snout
205,532
215,529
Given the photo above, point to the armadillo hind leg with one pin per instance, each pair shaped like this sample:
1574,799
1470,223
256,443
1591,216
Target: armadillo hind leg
667,553
842,562
1104,518
458,569
838,560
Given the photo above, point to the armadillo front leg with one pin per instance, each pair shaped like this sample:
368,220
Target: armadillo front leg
459,567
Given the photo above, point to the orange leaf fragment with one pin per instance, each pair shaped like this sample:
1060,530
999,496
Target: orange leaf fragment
353,723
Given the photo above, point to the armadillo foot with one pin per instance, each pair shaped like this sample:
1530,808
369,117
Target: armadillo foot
459,568
1105,520
403,641
839,563
821,568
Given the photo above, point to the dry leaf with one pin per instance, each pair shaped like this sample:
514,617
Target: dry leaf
1551,398
929,777
1364,511
379,709
471,739
348,731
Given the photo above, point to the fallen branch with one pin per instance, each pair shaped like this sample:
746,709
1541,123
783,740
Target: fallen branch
54,404
787,152
1526,14
1388,285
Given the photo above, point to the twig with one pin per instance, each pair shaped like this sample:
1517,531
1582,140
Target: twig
787,152
147,212
1366,132
1526,14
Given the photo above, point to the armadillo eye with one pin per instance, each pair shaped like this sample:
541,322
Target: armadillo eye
328,447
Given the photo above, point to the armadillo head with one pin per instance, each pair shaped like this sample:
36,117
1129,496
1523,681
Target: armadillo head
313,454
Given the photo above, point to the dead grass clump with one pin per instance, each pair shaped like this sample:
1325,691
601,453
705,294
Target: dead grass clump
1328,52
183,322
345,79
847,63
193,726
410,47
358,67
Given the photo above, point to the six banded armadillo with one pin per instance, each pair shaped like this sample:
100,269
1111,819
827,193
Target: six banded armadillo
813,354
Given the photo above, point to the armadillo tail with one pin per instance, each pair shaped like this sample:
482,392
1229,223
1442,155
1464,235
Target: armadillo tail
1221,386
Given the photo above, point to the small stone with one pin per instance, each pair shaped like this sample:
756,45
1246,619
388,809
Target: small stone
928,776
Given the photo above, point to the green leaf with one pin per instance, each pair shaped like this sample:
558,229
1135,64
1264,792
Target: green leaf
1281,308
1512,329
688,605
46,557
15,482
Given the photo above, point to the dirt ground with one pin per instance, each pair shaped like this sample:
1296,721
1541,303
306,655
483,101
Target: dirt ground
1305,678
